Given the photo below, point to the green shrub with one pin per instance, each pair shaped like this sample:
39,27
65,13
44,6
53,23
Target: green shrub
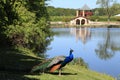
104,18
117,18
80,62
61,18
94,18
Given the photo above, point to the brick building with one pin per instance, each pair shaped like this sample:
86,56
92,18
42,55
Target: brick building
82,15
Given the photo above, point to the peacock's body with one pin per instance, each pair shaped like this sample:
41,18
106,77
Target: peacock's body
54,64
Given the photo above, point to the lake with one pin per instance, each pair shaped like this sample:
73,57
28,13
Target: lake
99,47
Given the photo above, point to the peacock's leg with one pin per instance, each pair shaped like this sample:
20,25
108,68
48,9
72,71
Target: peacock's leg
60,72
43,71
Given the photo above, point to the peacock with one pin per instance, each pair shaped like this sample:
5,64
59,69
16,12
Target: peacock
56,63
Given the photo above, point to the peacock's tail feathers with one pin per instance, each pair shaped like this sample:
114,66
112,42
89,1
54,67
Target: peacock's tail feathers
41,67
56,60
47,65
55,67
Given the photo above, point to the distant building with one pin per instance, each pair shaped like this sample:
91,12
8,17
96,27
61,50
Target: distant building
85,11
117,15
82,15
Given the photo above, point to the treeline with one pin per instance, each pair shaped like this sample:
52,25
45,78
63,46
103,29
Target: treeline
52,11
114,10
106,14
66,14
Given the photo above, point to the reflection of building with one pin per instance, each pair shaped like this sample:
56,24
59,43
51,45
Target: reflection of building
81,16
83,34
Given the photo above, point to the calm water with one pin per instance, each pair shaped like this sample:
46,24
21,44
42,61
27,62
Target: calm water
99,47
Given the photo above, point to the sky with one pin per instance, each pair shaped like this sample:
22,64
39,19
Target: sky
73,4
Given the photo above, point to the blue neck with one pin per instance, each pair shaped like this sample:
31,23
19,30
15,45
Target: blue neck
71,55
68,59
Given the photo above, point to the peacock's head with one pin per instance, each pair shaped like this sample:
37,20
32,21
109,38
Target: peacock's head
71,50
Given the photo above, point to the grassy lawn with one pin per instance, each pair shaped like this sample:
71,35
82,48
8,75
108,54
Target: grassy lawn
17,60
15,63
61,18
73,72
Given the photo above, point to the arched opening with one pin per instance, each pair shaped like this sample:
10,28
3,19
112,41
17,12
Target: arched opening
82,21
77,22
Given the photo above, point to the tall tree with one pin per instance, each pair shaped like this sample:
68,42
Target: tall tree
106,5
116,8
24,23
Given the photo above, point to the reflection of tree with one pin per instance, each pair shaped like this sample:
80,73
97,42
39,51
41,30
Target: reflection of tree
105,50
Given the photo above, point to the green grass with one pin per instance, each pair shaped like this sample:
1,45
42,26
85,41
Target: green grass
17,59
61,18
104,18
93,18
73,72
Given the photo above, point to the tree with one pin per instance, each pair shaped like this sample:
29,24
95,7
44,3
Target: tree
52,11
99,11
24,34
116,8
106,5
24,23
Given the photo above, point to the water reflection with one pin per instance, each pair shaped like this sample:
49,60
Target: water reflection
82,34
104,50
107,48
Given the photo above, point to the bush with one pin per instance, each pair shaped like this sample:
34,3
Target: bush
103,18
117,18
61,18
80,62
94,18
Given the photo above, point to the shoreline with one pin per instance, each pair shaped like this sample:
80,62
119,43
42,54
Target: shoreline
91,25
